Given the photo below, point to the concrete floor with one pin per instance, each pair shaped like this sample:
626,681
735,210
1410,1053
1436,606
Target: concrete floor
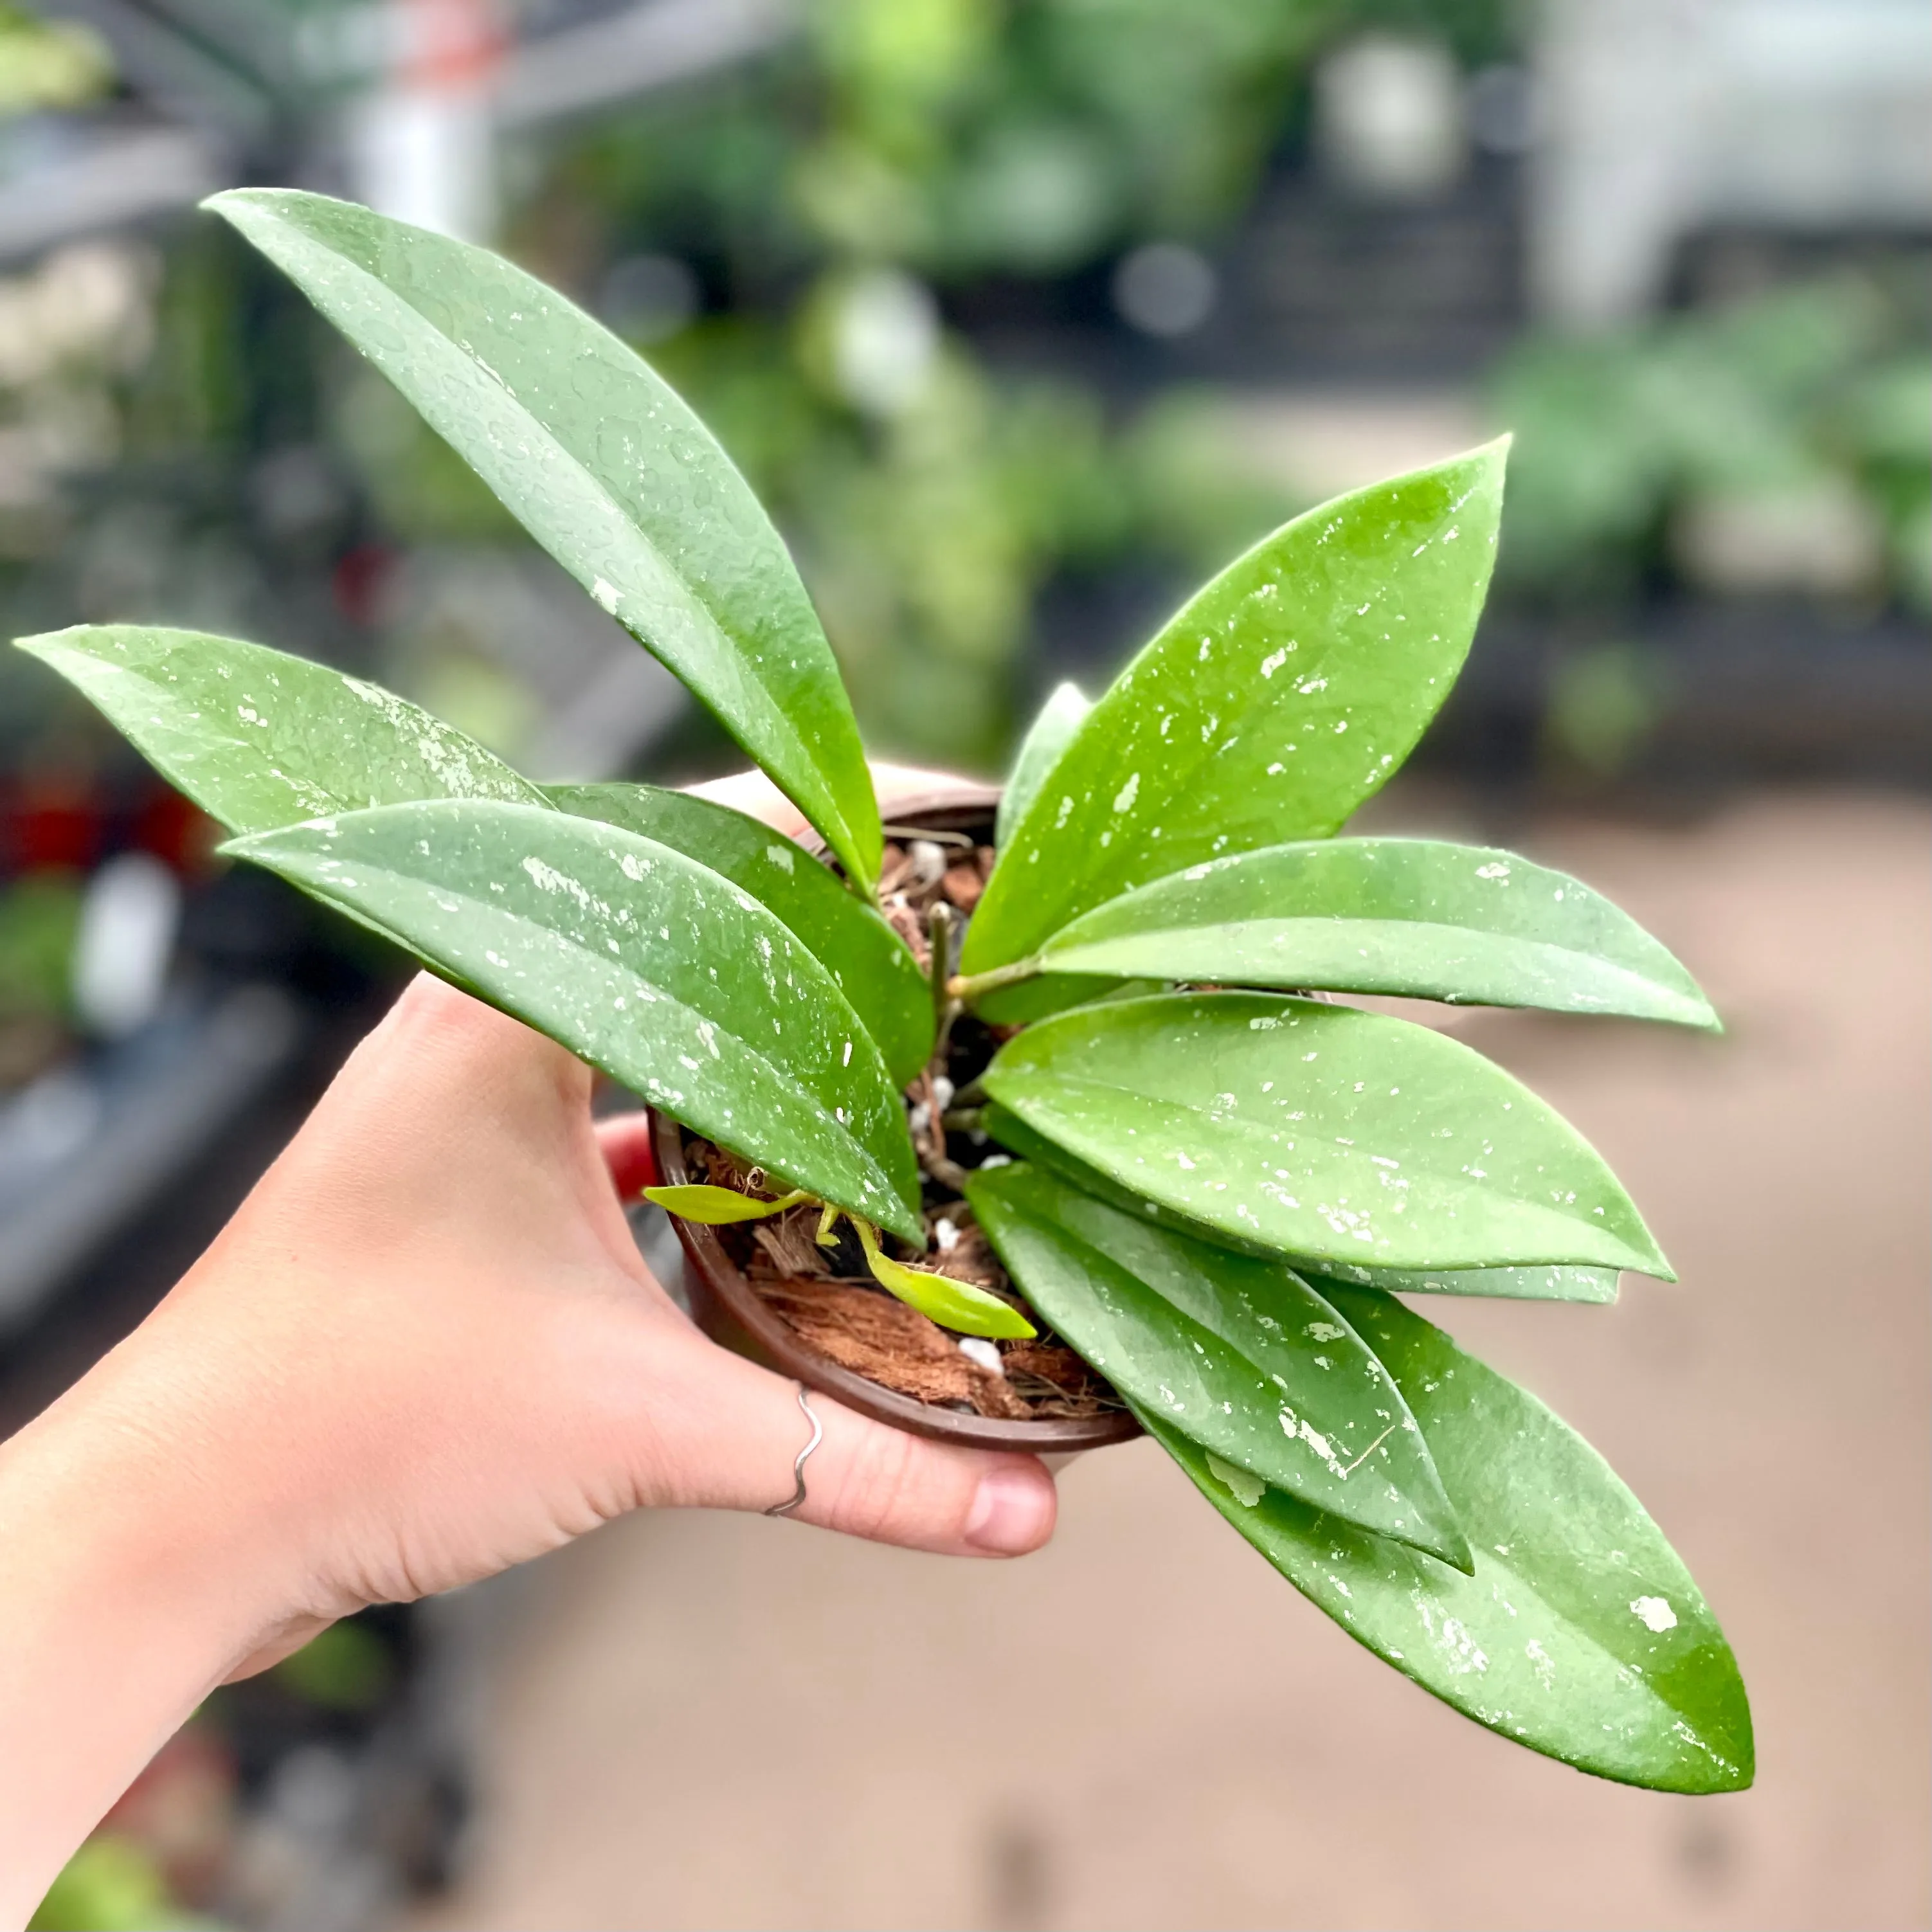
708,1721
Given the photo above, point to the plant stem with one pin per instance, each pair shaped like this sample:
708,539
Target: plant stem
968,988
939,929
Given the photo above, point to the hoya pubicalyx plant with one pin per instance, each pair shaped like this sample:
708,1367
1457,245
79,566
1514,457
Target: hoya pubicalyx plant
1212,1178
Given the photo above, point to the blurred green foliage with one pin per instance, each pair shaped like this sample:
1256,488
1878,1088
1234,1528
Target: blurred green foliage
48,63
40,920
345,1667
1805,408
830,200
112,1885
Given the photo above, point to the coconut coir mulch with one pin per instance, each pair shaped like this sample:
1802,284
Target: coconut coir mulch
825,1295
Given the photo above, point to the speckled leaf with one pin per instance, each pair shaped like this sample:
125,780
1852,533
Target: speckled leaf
871,964
1047,736
1278,700
676,982
1319,1131
1596,1285
1581,1634
257,738
606,466
1242,1356
1413,915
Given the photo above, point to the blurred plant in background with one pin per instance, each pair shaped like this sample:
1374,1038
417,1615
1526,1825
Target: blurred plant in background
785,244
1775,445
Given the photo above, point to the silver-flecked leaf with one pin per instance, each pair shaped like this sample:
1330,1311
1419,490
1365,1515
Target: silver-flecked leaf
1581,1634
871,964
1241,1356
605,465
643,962
1282,695
1321,1131
1407,916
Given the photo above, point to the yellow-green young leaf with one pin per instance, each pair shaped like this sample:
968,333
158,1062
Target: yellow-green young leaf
1047,736
1241,1356
957,1305
257,738
716,1207
1581,1634
1411,916
606,466
676,982
871,964
1319,1131
1282,695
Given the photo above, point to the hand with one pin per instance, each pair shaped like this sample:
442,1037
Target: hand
425,1349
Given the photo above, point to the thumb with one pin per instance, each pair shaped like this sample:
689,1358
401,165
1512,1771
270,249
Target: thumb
726,1433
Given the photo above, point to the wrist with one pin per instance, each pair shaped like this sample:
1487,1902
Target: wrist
127,1594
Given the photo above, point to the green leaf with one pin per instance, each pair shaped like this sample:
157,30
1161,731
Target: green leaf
677,982
1411,916
1279,699
875,969
716,1207
259,739
1321,1131
1581,1634
958,1305
1047,736
1514,1284
1242,1356
1597,1285
606,466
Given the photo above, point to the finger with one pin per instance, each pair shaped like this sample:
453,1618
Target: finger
727,1434
624,1141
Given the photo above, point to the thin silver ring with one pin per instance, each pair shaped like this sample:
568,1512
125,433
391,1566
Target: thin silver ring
797,1496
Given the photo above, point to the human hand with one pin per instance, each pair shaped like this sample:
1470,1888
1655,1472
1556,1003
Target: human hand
425,1349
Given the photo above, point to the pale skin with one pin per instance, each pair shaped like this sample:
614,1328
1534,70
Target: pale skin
425,1349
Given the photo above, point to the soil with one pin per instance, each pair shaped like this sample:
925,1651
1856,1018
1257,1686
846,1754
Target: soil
827,1296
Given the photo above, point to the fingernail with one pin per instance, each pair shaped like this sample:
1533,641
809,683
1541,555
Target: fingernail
1012,1513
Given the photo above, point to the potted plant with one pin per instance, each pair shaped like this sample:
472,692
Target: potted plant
1063,1078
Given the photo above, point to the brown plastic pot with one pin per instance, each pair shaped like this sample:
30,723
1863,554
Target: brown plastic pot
723,1304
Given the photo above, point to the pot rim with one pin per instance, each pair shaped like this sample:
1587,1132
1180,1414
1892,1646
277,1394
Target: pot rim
730,1311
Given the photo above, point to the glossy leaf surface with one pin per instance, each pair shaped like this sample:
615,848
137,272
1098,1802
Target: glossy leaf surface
1047,736
1319,1130
1594,1285
1581,1634
1279,699
1589,1285
874,969
1242,1356
960,1306
259,739
673,980
1411,916
606,466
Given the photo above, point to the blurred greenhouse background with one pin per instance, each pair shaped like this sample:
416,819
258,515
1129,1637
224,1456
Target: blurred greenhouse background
1022,315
